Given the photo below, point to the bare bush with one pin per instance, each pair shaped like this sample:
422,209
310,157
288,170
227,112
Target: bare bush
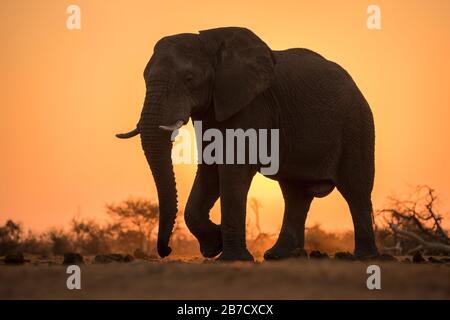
408,224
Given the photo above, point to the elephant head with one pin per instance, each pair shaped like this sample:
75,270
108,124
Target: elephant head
221,68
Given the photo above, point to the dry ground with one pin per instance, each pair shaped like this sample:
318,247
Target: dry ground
198,279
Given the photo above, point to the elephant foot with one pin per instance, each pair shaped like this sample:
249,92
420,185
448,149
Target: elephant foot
241,254
365,248
210,250
276,253
287,246
212,245
366,253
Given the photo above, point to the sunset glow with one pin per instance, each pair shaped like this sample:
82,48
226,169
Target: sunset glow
65,93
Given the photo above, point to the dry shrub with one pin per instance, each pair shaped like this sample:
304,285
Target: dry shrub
417,214
10,235
318,239
133,228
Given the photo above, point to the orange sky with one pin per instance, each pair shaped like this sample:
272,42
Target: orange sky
65,93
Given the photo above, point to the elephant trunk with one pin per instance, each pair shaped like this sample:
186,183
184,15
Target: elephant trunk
157,146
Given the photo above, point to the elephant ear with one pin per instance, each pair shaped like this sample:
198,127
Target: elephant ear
244,68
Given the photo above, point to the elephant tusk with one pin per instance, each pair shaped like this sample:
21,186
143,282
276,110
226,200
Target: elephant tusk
128,135
177,125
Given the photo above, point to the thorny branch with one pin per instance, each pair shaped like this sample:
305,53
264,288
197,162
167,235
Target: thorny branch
414,221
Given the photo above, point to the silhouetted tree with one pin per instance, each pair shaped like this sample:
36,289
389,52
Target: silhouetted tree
136,215
10,234
255,204
90,237
60,241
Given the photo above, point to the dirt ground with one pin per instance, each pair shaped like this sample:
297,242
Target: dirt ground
204,279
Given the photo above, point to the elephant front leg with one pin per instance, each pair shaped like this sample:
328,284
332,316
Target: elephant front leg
235,182
204,193
292,236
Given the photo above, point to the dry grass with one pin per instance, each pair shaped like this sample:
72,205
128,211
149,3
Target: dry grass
204,279
132,232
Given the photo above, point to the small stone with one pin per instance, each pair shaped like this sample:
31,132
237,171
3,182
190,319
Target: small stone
15,258
113,257
434,260
418,258
347,256
73,258
316,254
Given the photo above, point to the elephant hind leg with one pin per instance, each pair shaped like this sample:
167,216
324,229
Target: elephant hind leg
362,221
355,186
356,172
291,239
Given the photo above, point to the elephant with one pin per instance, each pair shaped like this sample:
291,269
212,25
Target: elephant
228,78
